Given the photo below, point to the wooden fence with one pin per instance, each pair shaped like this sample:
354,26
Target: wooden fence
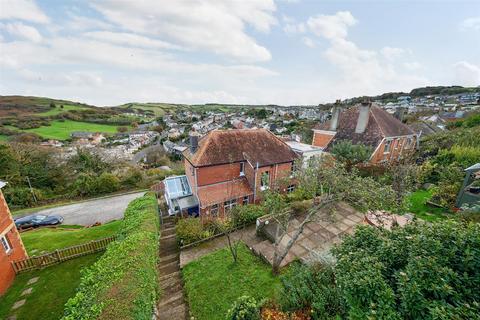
59,255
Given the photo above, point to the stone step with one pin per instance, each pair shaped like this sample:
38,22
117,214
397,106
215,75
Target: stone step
177,313
171,286
166,262
167,237
168,231
169,257
172,300
168,282
169,275
169,268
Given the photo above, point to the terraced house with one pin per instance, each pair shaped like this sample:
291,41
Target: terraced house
369,125
11,245
226,168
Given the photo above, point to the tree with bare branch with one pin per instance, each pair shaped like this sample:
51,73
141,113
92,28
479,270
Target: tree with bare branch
329,182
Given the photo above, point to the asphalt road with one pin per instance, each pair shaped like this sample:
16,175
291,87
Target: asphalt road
89,212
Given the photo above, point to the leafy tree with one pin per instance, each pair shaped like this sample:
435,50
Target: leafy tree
416,272
351,154
245,308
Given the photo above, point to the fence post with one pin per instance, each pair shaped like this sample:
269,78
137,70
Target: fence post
57,253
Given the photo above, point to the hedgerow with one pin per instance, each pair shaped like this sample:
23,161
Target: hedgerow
123,284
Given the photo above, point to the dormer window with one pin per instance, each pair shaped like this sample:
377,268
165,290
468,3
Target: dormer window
242,168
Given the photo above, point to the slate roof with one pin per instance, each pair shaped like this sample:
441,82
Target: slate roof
228,146
380,125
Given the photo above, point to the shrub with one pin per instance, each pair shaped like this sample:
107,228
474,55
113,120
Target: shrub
191,230
244,215
122,284
300,207
107,183
445,194
245,308
311,287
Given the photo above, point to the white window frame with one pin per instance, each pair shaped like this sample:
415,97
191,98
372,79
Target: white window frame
262,185
388,143
6,244
214,210
229,204
242,169
245,200
291,188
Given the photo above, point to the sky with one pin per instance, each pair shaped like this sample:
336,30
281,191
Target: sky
288,52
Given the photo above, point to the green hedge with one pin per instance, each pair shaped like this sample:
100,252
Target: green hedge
123,283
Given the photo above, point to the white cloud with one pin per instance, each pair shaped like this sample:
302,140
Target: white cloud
129,39
413,65
22,31
78,22
466,74
470,24
308,42
294,28
332,27
23,10
214,26
392,53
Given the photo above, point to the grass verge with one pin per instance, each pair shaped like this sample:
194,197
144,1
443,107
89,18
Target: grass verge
214,282
56,284
49,239
418,205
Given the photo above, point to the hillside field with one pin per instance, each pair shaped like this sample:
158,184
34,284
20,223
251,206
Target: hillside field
61,130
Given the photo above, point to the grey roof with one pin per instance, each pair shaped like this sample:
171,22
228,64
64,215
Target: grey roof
474,167
2,184
187,202
177,187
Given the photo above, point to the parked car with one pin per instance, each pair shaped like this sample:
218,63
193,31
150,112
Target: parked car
37,220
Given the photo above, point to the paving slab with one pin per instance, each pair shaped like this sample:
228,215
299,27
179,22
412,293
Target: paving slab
27,291
18,304
33,280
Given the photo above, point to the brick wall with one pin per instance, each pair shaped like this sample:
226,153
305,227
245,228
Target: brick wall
8,229
220,173
400,147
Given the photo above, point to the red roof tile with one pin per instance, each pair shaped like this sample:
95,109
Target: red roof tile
220,192
227,146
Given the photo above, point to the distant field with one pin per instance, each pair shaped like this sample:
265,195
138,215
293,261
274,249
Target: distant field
58,110
3,137
61,130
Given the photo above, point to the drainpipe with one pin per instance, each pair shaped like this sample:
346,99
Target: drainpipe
255,184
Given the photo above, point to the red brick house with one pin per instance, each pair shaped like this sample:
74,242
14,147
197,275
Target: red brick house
11,245
369,125
226,168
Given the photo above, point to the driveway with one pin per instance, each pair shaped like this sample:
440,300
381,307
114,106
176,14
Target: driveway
87,213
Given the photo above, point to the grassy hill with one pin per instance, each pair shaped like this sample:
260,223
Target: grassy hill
19,106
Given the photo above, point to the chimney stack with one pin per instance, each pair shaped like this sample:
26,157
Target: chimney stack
335,116
193,143
363,115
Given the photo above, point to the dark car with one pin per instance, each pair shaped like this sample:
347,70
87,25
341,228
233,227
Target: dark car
37,220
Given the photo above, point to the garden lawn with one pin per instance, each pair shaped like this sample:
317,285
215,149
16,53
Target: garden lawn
56,284
214,282
61,130
49,239
418,205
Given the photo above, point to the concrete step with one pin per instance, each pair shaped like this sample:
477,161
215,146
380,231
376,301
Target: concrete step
172,300
177,313
167,237
169,275
168,231
169,267
166,262
170,257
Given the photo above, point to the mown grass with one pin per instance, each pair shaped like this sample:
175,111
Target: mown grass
418,205
61,130
56,284
58,110
214,282
48,239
